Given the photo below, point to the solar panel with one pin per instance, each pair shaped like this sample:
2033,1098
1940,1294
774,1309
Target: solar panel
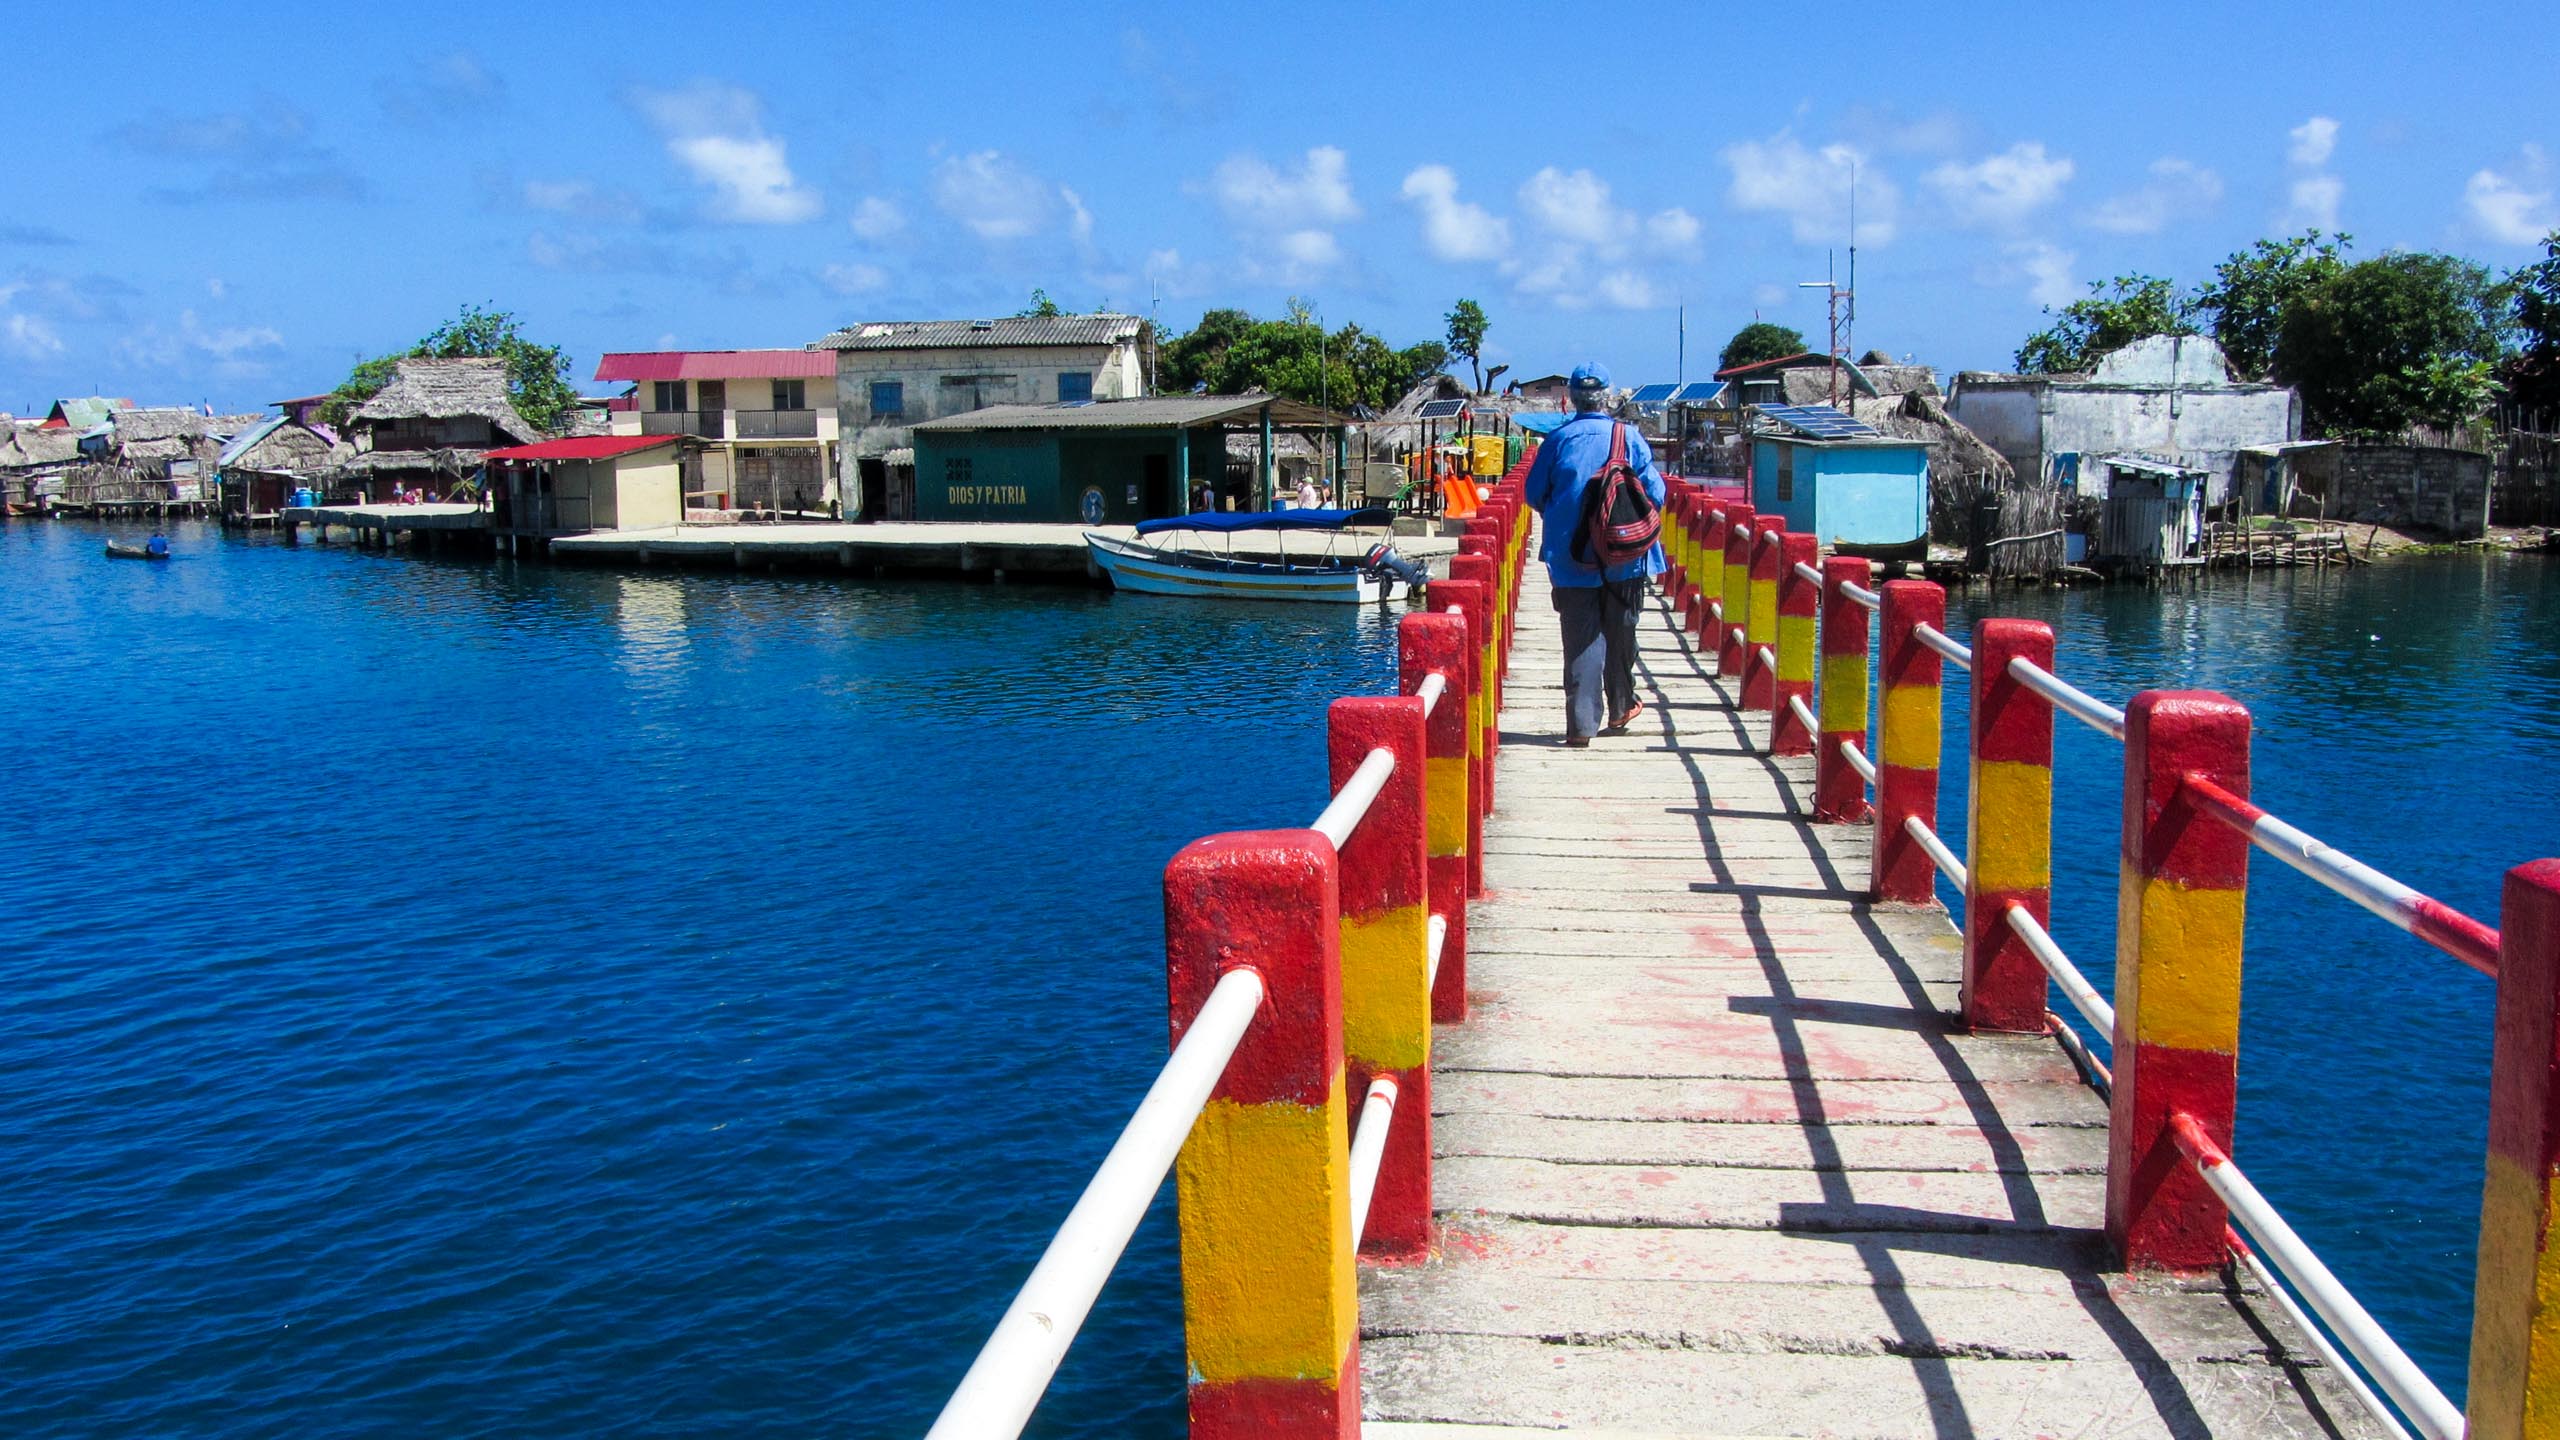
1700,392
1821,422
1441,410
1653,394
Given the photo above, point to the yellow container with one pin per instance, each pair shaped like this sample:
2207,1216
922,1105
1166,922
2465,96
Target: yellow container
1488,457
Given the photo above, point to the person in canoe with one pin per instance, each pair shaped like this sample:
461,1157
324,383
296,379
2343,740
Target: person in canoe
157,547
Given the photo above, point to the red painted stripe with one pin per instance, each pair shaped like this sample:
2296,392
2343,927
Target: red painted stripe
2455,933
2170,736
1269,895
2012,724
2179,1219
1382,858
1280,1409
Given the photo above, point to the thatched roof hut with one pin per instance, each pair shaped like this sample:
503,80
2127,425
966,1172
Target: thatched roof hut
447,390
278,446
1954,451
31,446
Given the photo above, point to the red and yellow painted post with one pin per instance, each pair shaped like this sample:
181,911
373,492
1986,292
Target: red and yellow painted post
1427,645
1906,757
1473,599
1386,956
1799,601
1487,546
2008,828
1839,792
2182,890
1486,632
1264,1181
2515,1302
1712,527
1737,588
1759,682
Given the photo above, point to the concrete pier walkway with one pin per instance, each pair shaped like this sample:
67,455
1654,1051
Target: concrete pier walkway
1715,1161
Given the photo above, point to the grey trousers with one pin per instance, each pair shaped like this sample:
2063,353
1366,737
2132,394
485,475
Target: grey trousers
1599,626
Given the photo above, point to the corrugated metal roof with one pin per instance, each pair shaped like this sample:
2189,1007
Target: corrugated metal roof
583,447
1154,413
716,365
1012,330
247,440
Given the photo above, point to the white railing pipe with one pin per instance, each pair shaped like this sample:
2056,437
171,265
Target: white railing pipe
2068,698
1937,639
1860,595
2093,1007
1858,761
2321,1345
1939,855
1808,572
1013,1369
1439,931
1351,803
1433,686
2364,1338
1804,716
1368,1148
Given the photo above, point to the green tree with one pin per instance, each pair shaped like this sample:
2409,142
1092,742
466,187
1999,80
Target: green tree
1761,340
1229,352
2533,375
2251,291
1467,327
537,375
2393,341
2117,313
1040,308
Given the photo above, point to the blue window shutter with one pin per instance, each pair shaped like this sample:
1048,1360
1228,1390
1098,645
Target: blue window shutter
888,398
1074,385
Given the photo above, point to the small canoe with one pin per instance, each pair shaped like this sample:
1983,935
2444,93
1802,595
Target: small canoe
117,551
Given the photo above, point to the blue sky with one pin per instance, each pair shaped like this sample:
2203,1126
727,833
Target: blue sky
232,210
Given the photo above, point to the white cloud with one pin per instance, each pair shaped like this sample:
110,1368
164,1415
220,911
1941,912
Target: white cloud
1309,250
232,350
1674,229
1590,250
29,338
2176,189
995,197
1575,207
2002,190
580,198
2315,203
1079,219
1255,195
2314,141
2045,267
1454,229
878,218
1177,278
2514,209
855,278
716,132
1811,188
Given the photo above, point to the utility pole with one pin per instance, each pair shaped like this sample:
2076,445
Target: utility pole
1155,332
1834,294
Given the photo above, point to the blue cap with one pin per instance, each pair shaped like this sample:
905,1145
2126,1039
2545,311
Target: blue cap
1590,375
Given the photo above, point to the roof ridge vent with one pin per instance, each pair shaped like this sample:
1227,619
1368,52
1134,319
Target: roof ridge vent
982,324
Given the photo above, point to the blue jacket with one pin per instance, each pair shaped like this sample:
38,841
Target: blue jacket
1565,464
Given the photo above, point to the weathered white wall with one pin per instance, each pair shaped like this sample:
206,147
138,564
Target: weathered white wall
2008,420
1030,377
2203,429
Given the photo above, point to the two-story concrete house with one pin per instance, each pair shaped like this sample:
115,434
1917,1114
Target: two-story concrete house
760,425
2165,398
891,374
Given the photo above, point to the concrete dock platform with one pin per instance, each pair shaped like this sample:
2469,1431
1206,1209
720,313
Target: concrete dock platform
1713,1158
1029,550
389,519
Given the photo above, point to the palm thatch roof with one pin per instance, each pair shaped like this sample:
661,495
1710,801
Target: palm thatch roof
286,449
31,447
448,390
1954,451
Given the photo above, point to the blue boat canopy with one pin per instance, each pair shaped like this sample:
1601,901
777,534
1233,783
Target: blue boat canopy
1539,422
1233,520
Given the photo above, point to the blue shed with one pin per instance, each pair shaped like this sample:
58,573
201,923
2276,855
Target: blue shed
1855,488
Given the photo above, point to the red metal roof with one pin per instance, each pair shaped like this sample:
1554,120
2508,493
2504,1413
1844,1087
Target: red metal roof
717,365
583,447
1783,362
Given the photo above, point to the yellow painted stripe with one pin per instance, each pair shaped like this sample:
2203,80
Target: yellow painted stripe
2178,963
1795,647
1266,1241
2515,1329
1710,576
1386,988
1764,609
1737,595
1444,821
2012,826
1910,727
1844,692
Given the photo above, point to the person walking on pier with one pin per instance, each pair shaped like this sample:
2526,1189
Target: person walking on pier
1597,600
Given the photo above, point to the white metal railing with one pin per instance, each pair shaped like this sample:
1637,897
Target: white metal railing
1350,804
1858,761
1808,572
2374,1349
1937,639
1368,1148
1861,596
1429,691
1939,855
2431,920
1013,1368
1439,930
2321,1344
2068,698
2093,1007
1804,716
1767,657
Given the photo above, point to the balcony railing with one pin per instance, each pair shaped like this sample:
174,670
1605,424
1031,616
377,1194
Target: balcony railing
777,424
705,423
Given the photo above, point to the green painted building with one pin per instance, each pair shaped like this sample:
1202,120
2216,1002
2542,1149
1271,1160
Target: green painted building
1096,462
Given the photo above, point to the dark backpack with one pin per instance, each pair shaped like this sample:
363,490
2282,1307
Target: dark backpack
1619,520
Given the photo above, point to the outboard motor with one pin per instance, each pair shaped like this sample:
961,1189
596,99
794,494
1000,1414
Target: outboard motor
1383,563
